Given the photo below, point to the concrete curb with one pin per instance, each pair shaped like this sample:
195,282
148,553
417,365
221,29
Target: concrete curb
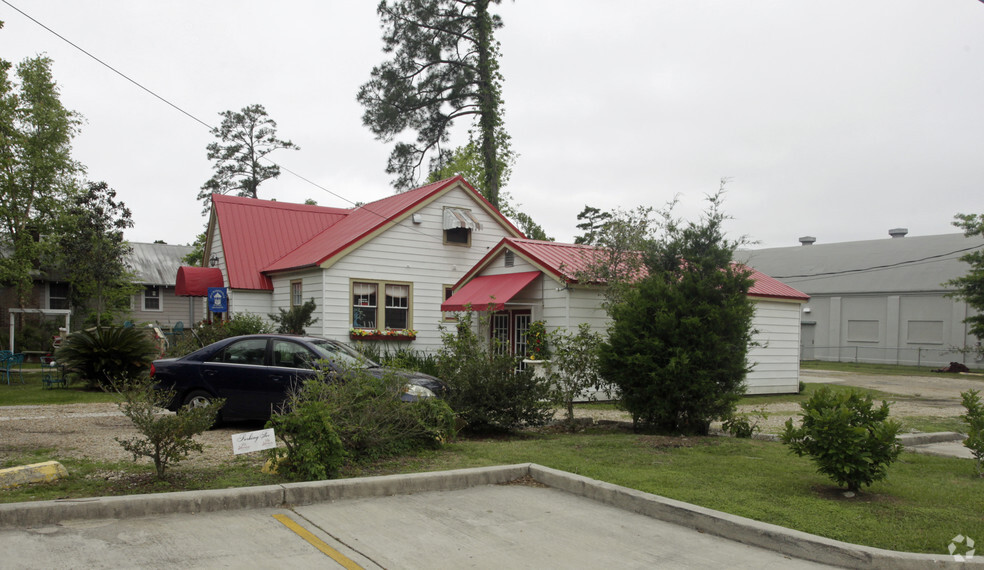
908,439
34,473
747,531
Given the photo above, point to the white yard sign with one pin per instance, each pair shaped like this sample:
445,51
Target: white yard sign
253,441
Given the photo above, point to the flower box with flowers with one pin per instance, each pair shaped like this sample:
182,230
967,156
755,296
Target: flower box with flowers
387,334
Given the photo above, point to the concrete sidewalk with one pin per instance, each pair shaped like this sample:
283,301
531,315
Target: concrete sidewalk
453,519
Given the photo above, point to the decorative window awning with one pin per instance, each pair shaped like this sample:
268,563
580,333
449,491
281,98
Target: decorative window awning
480,292
460,218
195,281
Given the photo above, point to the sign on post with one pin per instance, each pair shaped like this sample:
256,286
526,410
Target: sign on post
218,300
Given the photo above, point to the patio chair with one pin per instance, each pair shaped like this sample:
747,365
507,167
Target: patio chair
51,373
10,362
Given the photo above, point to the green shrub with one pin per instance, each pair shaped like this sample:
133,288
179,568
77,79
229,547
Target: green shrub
167,438
313,449
484,388
573,367
371,419
326,423
742,426
296,319
205,333
975,427
402,358
850,441
107,355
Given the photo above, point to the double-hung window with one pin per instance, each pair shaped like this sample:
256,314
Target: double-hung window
152,298
380,305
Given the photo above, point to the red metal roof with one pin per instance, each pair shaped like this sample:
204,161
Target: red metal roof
565,261
367,219
769,287
481,292
257,232
195,281
260,236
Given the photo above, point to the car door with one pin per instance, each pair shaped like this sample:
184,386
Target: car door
294,361
241,374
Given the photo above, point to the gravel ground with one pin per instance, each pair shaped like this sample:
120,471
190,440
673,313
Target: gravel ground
88,430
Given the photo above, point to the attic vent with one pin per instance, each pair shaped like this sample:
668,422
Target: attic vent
898,232
460,218
510,258
808,240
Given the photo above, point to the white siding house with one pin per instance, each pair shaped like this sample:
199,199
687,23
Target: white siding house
377,273
554,295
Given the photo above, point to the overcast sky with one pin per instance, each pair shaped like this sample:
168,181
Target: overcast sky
837,119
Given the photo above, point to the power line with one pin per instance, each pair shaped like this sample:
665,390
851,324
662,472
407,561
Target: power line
193,117
877,267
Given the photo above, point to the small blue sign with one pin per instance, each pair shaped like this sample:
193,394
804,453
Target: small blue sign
218,300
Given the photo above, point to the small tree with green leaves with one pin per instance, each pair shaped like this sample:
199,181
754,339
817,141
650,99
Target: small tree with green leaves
573,367
296,319
166,438
851,442
975,427
484,387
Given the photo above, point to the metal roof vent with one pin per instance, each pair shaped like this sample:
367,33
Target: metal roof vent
898,232
807,240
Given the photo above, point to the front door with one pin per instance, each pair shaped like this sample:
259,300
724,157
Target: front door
510,328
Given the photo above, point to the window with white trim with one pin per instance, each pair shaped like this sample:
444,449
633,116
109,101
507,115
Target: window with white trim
369,313
152,298
296,293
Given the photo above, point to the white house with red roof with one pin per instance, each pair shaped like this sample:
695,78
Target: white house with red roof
527,280
377,271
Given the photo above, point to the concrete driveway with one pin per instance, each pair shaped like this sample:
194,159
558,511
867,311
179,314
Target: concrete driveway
518,516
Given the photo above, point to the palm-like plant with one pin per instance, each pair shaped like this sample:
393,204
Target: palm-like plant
103,356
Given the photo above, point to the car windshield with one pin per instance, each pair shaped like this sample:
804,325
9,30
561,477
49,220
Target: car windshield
341,354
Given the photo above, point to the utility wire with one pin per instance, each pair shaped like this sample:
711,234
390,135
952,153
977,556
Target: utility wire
876,267
190,116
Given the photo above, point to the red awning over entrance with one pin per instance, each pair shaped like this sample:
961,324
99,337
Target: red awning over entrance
195,281
481,291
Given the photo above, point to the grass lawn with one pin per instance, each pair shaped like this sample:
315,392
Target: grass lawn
924,503
31,392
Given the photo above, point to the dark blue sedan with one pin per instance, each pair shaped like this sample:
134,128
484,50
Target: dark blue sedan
254,373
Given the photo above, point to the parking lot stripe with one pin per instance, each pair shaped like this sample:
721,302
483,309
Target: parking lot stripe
317,543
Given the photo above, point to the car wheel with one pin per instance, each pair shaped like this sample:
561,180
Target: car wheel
200,399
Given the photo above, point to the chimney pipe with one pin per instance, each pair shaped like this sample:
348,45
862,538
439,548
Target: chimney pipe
898,232
807,240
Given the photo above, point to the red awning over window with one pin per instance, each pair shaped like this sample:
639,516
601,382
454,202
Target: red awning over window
195,281
481,291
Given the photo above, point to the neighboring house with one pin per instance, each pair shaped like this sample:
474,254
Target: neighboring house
382,268
877,300
155,266
527,280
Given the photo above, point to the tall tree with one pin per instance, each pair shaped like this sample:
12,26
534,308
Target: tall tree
679,338
36,167
592,224
970,287
93,253
245,139
444,66
467,161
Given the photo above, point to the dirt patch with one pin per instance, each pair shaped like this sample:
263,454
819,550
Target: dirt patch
659,442
524,481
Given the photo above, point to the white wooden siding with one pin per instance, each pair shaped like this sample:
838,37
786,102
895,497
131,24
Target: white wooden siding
409,253
775,362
